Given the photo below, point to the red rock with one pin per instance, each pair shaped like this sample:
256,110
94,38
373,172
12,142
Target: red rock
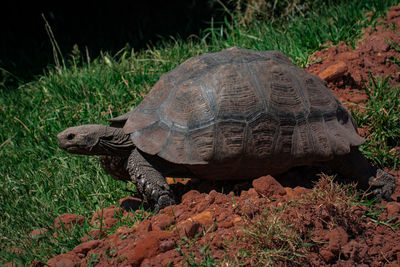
110,222
333,71
163,221
191,226
327,255
64,260
125,230
222,198
144,248
380,45
373,251
202,205
178,211
94,234
167,245
225,224
298,190
218,242
188,228
168,258
392,14
393,210
190,196
289,192
268,187
104,214
350,249
144,226
252,193
147,263
206,219
84,248
38,233
337,239
210,198
68,220
237,221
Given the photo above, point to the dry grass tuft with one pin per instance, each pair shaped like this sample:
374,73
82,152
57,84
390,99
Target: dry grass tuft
273,240
284,236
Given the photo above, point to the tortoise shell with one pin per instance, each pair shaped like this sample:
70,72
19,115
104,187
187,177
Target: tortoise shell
241,104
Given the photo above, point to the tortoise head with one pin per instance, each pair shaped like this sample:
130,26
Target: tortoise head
93,139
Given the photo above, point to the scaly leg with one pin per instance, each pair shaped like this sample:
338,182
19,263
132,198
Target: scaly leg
149,181
115,166
355,166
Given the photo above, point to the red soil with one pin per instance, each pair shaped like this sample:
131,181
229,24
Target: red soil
340,234
346,70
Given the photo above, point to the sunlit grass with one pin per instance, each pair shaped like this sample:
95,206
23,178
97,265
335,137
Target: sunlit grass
382,118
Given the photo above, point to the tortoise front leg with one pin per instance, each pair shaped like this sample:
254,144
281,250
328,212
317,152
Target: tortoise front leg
115,166
149,181
355,166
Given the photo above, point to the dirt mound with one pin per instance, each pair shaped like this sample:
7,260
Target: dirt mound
263,222
268,221
346,70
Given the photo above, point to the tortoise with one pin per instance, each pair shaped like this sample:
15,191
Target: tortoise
233,114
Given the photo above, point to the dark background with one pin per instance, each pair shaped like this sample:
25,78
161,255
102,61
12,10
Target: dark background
25,47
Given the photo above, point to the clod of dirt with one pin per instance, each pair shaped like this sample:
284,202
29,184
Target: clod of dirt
107,218
38,233
333,71
392,212
267,186
68,220
336,238
67,260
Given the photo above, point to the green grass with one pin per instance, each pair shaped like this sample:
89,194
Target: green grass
38,181
382,118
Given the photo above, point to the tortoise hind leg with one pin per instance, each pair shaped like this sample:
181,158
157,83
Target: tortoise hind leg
149,181
355,166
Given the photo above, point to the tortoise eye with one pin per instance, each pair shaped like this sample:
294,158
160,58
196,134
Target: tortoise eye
70,136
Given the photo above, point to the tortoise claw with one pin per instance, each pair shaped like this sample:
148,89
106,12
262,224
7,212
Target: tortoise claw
163,201
383,185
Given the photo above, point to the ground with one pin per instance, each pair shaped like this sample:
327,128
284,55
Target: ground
264,222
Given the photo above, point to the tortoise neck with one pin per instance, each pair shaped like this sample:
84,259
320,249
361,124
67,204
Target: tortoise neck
113,141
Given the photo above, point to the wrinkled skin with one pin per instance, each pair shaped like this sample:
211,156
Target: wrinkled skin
93,139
